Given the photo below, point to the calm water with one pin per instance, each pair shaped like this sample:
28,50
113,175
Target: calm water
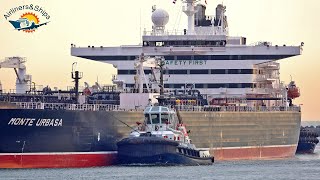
299,167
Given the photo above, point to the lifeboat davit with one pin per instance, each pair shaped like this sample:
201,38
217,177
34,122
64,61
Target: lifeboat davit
293,90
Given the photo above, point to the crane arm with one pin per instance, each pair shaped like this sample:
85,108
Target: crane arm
13,63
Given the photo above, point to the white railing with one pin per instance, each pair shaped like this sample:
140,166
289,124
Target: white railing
109,107
165,33
64,106
238,108
263,77
261,43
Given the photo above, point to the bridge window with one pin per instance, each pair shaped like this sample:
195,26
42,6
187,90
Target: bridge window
199,86
234,85
218,71
123,71
184,57
147,118
210,85
160,43
197,57
164,118
178,71
147,71
233,71
246,71
178,86
155,118
199,71
202,57
169,57
247,85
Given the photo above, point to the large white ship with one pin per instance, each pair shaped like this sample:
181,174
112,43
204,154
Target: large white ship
203,56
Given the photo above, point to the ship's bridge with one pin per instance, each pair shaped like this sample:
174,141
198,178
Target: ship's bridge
184,40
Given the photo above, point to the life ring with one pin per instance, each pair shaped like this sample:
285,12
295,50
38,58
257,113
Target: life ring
156,127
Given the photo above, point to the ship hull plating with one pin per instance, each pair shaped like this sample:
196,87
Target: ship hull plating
57,160
263,152
245,135
228,135
56,138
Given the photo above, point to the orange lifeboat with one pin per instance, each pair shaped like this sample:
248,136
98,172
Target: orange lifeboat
87,92
293,90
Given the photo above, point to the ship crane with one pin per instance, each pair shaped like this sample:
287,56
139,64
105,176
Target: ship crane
141,62
18,64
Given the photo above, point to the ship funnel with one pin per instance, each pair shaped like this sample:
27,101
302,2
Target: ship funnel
200,18
220,21
200,15
220,11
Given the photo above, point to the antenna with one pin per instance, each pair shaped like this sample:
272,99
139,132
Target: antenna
73,64
140,29
190,9
76,75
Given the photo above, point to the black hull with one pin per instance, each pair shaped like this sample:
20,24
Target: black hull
167,159
306,148
157,151
57,131
307,141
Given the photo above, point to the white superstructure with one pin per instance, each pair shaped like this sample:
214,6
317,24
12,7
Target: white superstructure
203,56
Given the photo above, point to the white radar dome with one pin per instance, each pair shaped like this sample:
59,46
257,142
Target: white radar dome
160,17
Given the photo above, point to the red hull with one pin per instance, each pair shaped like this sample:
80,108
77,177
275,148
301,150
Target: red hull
57,160
251,153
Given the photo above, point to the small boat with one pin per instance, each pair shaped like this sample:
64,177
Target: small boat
307,141
160,140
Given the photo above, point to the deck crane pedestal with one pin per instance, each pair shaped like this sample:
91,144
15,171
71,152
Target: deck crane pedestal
18,64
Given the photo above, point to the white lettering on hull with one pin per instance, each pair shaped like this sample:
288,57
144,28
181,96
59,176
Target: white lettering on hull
33,122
